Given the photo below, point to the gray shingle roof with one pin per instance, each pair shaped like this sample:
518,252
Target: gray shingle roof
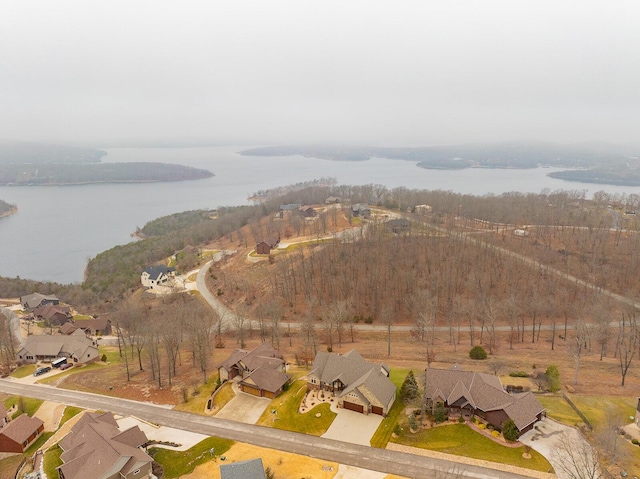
267,379
154,272
251,469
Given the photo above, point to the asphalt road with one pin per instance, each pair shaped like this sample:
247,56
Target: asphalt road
390,462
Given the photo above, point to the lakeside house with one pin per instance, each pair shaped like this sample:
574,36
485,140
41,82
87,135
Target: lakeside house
156,276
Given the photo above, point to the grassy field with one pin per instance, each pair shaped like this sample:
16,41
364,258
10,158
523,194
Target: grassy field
461,440
24,371
179,463
287,417
602,410
69,412
557,408
27,405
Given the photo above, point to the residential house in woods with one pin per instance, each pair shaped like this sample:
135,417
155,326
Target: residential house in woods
94,326
361,211
308,211
423,209
19,434
251,469
96,449
332,200
481,395
36,300
358,384
288,209
266,245
260,372
55,315
77,348
157,275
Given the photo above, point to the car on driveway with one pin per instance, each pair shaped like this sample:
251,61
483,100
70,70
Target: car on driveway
42,370
66,366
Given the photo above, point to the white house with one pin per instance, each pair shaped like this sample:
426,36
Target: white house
157,275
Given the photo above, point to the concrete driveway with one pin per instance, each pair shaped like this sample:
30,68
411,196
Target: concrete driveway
244,407
546,437
353,427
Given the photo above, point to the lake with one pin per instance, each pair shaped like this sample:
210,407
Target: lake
58,228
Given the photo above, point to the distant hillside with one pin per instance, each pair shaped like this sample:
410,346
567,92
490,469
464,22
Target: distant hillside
24,163
496,155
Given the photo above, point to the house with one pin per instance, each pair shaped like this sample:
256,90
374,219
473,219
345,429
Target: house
260,372
332,200
423,209
361,211
157,275
482,395
308,212
266,245
288,209
35,300
358,384
19,434
251,469
398,225
94,326
54,315
95,448
76,347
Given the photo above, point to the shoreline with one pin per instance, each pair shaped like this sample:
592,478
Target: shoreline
11,211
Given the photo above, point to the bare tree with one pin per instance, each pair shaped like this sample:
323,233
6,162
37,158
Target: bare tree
338,314
575,458
628,342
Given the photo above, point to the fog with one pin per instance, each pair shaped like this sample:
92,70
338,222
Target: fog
416,73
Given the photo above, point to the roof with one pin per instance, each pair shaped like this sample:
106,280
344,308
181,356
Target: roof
359,207
21,428
261,356
46,345
49,310
482,391
155,272
251,469
290,206
353,371
67,328
267,379
98,324
35,299
96,448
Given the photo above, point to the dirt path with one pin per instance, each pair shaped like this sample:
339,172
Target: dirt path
50,413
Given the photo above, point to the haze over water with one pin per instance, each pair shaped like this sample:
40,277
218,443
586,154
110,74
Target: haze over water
58,228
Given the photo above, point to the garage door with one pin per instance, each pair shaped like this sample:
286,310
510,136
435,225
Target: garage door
251,390
377,410
353,407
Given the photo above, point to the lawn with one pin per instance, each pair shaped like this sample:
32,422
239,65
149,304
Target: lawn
9,466
27,405
287,417
385,429
557,408
69,412
461,440
24,371
179,463
197,400
52,460
38,443
602,410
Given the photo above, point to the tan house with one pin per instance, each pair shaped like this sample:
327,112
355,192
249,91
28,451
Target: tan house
77,348
482,395
36,300
358,384
96,449
259,371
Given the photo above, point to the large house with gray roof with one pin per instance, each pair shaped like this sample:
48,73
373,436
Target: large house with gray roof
482,395
260,371
96,449
77,348
36,300
358,384
157,276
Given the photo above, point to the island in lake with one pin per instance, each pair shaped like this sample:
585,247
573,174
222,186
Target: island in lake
588,162
35,164
7,209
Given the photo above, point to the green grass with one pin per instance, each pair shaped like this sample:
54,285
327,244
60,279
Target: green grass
600,410
179,463
24,371
69,412
197,404
52,460
557,408
38,443
29,405
382,435
461,440
288,418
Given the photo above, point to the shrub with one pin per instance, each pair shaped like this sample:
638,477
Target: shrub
518,374
495,433
413,424
481,426
509,430
103,358
440,413
409,388
368,320
478,352
397,430
460,419
553,374
635,441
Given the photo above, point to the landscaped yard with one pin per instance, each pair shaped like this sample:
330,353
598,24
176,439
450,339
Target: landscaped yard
557,408
286,415
461,440
52,460
24,371
27,405
179,463
602,410
69,412
383,434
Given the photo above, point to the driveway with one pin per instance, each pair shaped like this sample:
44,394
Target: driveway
186,439
353,427
244,407
546,437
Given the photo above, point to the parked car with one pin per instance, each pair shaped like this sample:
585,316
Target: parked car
40,371
66,366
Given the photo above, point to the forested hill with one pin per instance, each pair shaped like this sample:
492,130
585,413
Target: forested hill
6,208
37,164
490,155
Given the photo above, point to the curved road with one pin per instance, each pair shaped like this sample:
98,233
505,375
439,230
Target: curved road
383,460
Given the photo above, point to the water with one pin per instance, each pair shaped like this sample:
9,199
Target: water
57,229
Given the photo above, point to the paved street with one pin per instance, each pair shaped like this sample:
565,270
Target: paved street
390,462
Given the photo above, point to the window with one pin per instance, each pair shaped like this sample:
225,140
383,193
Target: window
137,471
314,381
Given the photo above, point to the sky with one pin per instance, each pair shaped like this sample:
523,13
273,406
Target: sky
412,73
